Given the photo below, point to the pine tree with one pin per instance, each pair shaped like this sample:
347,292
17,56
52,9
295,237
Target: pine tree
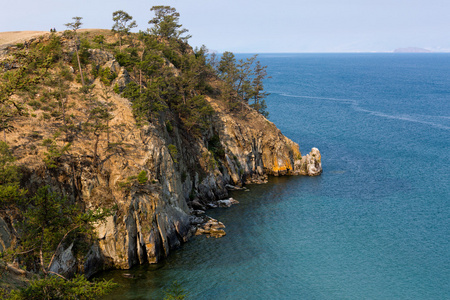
75,25
258,95
165,23
121,19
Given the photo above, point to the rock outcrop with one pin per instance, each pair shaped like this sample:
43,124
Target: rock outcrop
5,236
184,175
311,164
211,228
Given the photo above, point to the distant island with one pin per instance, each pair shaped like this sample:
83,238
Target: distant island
412,50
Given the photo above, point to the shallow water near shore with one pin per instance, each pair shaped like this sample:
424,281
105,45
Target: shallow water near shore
374,225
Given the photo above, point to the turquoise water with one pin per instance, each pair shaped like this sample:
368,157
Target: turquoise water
374,225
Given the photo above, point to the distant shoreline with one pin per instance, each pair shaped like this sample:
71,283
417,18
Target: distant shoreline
368,52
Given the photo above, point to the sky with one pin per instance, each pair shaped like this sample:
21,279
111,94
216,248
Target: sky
259,26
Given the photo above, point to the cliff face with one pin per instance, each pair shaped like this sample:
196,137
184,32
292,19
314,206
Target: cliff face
184,172
155,218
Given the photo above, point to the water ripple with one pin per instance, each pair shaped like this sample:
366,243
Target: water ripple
356,106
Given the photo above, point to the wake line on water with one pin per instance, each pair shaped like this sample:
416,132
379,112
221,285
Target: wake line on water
355,105
320,98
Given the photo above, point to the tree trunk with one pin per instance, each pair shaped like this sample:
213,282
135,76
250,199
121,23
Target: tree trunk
79,65
140,73
41,255
64,117
140,81
107,133
97,138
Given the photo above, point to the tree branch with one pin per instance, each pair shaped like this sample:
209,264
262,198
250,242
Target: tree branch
60,242
59,275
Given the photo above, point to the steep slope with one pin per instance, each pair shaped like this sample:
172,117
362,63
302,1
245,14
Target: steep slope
154,174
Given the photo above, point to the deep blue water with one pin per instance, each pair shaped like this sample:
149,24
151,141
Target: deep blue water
374,225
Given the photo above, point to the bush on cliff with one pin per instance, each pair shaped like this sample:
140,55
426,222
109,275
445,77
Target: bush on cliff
53,287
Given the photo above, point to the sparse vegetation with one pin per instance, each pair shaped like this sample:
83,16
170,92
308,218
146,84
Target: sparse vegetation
142,177
173,152
52,86
75,25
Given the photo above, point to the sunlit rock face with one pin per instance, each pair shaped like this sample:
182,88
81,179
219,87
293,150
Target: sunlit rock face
184,173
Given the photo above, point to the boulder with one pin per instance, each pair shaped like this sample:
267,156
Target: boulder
211,228
65,262
99,57
311,164
227,202
197,205
123,78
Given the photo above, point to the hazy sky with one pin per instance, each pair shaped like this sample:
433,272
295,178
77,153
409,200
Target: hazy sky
262,25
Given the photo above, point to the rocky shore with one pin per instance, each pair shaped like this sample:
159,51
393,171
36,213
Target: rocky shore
156,216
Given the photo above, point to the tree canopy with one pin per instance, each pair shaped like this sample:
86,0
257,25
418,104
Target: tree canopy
75,25
244,81
166,23
121,24
168,84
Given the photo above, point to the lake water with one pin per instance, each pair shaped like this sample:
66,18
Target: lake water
374,225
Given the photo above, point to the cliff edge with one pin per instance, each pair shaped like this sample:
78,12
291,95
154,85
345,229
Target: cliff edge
156,174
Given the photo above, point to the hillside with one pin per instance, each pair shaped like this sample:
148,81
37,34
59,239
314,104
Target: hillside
155,134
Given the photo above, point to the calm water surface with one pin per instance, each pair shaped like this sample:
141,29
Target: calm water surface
374,225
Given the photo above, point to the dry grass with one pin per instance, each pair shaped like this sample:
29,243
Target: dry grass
14,37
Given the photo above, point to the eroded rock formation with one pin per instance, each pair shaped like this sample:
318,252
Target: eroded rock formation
184,176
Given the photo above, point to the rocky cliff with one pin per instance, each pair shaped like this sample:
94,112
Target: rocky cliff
184,172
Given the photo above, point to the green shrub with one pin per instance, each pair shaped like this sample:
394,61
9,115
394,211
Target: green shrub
216,147
35,104
142,177
116,89
99,39
66,73
173,152
54,152
131,91
85,44
53,287
106,75
94,70
169,126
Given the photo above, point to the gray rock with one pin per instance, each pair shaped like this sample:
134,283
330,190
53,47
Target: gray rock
227,202
211,228
197,205
65,262
5,236
99,57
311,164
